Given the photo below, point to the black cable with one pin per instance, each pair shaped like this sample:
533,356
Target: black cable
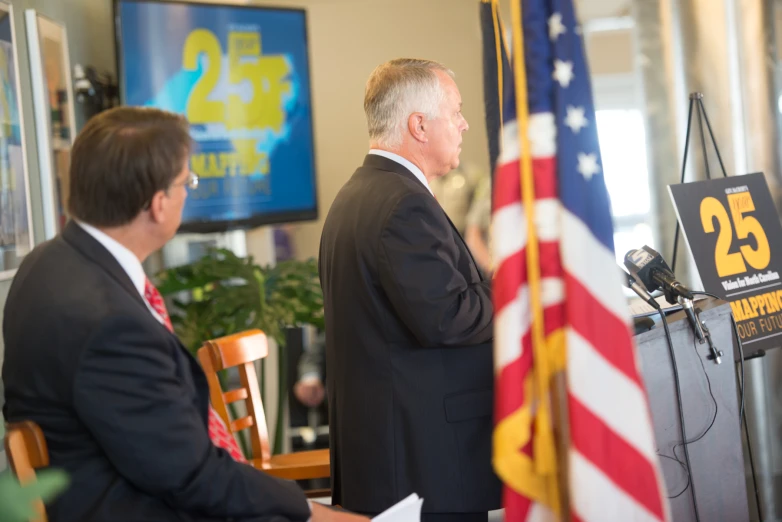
752,467
681,420
716,408
741,363
742,418
741,355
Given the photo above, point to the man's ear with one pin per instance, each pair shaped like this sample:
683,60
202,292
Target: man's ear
157,206
416,125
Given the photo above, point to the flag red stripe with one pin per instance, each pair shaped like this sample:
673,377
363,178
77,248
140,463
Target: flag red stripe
608,334
512,273
618,460
509,392
516,506
510,276
507,183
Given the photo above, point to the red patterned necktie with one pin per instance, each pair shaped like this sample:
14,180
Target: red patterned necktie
217,430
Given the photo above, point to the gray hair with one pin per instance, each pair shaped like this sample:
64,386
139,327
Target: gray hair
397,89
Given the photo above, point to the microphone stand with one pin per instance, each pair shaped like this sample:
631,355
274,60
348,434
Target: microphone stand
700,328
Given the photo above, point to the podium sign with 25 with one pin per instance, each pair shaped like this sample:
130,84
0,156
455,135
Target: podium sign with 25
735,236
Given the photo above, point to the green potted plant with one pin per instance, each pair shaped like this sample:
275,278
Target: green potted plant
221,294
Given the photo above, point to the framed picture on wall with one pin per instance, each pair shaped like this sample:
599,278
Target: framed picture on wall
16,235
50,71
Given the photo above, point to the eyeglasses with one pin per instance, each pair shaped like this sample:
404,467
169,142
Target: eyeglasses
191,182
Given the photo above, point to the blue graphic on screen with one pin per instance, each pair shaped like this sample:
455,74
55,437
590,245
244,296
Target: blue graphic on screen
241,77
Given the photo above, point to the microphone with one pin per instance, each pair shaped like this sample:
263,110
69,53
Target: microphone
650,269
639,290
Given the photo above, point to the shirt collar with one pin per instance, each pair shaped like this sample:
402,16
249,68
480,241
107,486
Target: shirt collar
126,259
405,163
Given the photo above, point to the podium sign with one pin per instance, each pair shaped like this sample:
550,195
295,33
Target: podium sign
734,233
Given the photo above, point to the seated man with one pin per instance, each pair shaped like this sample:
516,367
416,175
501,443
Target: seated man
90,355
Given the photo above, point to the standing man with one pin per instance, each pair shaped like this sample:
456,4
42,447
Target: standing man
91,357
408,316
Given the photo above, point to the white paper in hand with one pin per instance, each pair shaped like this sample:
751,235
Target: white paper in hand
406,510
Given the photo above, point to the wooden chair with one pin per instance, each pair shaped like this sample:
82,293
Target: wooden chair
26,449
242,350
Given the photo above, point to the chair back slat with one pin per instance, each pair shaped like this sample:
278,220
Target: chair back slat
242,424
239,350
240,394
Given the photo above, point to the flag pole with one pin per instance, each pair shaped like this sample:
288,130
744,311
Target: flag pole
562,435
551,426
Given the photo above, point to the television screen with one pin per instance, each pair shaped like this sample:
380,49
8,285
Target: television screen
240,74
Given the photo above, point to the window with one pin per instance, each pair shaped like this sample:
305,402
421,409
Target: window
623,150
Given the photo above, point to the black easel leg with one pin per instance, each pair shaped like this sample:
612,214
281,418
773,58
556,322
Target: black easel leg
684,169
713,139
703,139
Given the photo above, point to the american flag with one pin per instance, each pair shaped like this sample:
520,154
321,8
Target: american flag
558,299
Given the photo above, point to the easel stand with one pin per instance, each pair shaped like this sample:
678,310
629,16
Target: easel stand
696,104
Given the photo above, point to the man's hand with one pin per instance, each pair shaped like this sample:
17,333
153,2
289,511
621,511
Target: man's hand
310,391
321,513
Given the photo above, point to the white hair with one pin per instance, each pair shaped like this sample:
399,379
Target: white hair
397,89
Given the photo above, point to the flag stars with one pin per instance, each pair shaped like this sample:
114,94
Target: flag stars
587,165
575,118
555,26
563,72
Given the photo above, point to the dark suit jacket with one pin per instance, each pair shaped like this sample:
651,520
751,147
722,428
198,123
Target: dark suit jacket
121,402
408,331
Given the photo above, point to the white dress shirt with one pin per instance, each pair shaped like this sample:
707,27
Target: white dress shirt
405,163
126,259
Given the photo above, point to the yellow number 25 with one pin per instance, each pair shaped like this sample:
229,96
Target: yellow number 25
727,263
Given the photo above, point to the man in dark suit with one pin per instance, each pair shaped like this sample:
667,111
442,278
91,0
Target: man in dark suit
408,316
91,358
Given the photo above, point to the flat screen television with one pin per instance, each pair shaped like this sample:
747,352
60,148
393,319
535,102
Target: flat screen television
240,74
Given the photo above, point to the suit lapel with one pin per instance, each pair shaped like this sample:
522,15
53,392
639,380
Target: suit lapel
88,246
78,238
378,162
464,243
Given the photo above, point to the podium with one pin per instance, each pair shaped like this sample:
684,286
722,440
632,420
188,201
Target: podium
717,461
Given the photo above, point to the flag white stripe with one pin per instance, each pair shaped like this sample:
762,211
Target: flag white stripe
513,320
508,232
510,325
609,394
542,132
592,264
595,498
509,229
540,513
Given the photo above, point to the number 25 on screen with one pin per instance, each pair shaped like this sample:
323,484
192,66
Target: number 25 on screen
729,264
265,74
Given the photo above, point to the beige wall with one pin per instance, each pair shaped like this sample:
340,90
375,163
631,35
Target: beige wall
610,52
348,38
